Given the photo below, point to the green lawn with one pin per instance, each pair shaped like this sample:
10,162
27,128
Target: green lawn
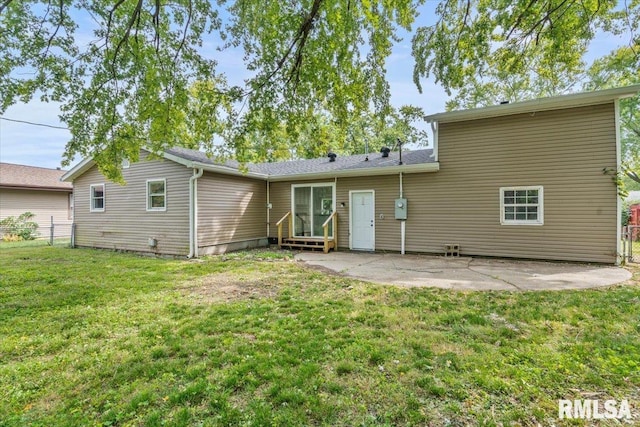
102,338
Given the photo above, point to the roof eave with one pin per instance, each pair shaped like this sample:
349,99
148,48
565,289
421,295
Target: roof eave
225,170
87,163
78,170
582,99
348,173
35,187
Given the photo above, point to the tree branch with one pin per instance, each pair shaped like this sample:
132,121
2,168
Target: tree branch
519,18
127,32
110,20
4,5
303,35
464,23
541,21
184,34
156,24
299,41
60,21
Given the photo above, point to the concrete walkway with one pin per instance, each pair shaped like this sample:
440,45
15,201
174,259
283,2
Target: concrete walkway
465,273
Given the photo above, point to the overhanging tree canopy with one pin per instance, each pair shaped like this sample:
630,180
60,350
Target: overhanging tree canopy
135,73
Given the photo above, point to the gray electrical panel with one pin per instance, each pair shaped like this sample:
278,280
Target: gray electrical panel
401,209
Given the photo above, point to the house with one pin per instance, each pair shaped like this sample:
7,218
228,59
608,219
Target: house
525,180
40,191
633,201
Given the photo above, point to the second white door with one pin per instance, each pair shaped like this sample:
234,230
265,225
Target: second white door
362,220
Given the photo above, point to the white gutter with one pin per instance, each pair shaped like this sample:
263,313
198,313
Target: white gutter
360,172
542,104
403,223
193,213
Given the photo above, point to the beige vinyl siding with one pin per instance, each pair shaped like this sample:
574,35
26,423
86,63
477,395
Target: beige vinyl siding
564,151
231,209
280,199
125,223
386,191
43,203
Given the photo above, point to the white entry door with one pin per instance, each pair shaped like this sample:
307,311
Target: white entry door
362,220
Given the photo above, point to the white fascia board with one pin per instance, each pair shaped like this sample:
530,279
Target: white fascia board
78,170
388,170
225,170
543,104
179,160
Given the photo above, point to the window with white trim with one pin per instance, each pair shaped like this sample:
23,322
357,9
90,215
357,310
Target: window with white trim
97,197
521,205
156,194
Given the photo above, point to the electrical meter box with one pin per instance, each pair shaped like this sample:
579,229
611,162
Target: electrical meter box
401,209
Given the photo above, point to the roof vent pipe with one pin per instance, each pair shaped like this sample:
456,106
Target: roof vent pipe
332,157
385,151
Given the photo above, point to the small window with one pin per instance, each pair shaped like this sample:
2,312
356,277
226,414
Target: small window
97,198
521,206
156,194
125,164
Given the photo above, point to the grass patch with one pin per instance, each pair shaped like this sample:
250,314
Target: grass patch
102,338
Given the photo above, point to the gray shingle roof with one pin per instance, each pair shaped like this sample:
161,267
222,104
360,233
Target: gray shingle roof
319,165
22,176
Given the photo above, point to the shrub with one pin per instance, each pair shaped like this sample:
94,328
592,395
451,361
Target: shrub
19,228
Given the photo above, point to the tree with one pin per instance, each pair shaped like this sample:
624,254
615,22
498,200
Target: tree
621,68
512,51
486,51
147,73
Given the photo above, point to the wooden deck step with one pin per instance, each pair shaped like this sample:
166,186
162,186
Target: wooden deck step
307,243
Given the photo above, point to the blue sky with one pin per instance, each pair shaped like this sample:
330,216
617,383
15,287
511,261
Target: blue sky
41,146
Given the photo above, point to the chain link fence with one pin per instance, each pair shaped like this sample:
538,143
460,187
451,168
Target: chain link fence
631,243
58,234
54,234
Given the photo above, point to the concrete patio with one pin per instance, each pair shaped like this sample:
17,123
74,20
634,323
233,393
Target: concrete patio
466,273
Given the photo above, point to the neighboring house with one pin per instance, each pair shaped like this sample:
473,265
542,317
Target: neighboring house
634,214
633,199
521,180
40,191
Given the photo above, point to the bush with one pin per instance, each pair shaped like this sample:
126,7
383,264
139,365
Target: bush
20,228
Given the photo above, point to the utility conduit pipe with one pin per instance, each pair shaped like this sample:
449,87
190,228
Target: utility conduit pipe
193,212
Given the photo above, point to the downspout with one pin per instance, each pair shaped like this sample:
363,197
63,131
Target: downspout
403,223
616,107
434,129
193,219
268,209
